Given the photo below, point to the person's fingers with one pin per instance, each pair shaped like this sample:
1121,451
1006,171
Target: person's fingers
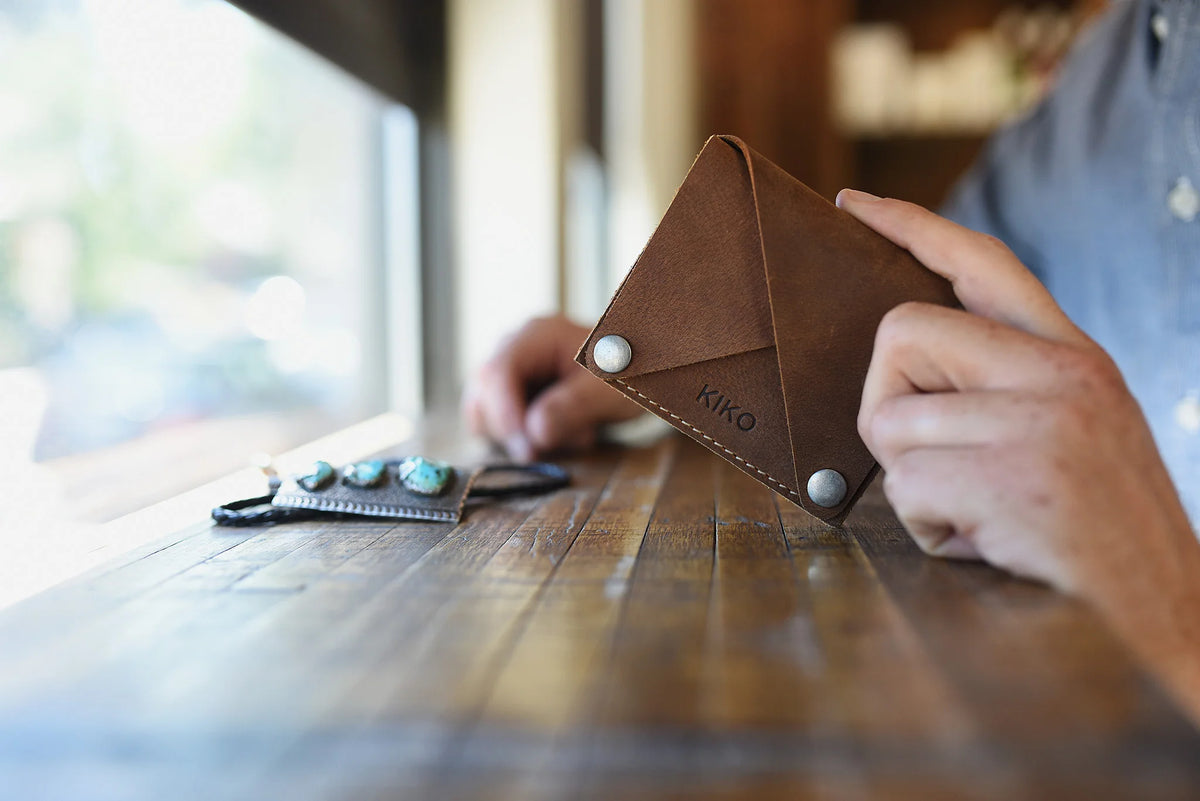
987,278
472,412
953,420
543,348
940,540
940,348
567,413
921,348
531,396
497,406
496,402
935,492
583,440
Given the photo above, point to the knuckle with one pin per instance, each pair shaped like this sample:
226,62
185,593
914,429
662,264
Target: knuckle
1035,473
1073,422
907,484
896,325
904,313
886,416
1092,372
908,214
864,423
891,483
930,539
994,244
554,417
542,425
488,375
904,325
474,417
1105,375
896,481
1067,421
880,428
927,546
553,404
1037,418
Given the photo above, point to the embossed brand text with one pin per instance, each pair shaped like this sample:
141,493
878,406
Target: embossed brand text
724,408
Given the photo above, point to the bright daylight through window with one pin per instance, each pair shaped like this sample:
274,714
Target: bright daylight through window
190,254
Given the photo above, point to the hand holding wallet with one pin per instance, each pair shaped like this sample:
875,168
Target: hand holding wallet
748,323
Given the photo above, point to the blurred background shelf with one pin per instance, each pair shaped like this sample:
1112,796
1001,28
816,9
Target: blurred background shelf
917,167
769,72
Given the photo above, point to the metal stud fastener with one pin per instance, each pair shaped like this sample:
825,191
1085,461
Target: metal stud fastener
826,488
612,353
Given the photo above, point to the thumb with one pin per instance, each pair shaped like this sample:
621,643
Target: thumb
988,279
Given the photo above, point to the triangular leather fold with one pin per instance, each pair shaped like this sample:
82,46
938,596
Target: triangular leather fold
704,253
830,281
751,317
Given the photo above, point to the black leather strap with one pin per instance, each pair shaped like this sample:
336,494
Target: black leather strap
547,478
244,513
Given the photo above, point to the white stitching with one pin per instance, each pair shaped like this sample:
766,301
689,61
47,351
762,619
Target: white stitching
671,414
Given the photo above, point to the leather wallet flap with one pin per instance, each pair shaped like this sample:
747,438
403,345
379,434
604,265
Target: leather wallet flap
830,280
705,253
751,317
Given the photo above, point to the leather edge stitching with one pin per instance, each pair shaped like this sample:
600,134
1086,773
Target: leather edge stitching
788,490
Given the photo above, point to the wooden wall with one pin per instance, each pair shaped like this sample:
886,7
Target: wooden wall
764,76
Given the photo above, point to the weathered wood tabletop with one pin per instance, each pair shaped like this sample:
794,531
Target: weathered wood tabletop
665,628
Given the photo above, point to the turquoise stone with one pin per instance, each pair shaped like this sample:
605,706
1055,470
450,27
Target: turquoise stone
365,474
424,476
317,477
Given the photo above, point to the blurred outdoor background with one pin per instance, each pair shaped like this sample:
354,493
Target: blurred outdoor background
228,229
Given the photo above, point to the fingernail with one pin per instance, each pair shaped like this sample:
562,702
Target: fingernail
518,448
854,195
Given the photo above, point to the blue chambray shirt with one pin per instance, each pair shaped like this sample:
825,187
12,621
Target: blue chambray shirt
1097,192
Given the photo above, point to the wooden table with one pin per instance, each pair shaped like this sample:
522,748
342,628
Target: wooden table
665,628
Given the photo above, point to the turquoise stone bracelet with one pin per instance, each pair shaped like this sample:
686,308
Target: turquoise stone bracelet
413,488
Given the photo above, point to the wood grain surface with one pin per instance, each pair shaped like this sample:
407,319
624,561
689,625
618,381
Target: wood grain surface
664,628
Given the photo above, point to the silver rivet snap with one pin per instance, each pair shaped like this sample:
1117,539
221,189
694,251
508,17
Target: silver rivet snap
826,488
612,353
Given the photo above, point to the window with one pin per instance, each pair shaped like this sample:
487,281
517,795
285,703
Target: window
191,251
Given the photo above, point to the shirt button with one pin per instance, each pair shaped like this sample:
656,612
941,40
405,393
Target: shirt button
1183,201
1160,25
1187,412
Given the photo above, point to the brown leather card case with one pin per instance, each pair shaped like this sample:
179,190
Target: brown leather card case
750,318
